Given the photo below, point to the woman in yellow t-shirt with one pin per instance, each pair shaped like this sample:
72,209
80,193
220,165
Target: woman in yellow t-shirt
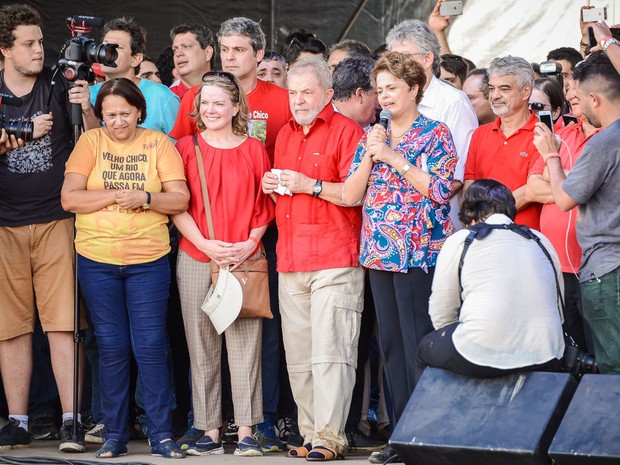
122,181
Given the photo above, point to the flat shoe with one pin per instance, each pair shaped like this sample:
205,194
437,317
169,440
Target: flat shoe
299,452
168,450
323,454
113,447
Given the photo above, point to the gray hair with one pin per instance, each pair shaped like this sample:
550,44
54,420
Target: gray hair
317,66
522,70
243,27
351,74
420,34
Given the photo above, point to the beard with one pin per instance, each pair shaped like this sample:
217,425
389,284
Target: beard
503,109
32,70
307,118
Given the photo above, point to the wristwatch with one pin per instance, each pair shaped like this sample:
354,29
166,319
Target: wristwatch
147,205
405,168
607,41
317,188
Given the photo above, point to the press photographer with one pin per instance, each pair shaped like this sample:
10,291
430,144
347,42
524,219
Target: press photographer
36,234
495,297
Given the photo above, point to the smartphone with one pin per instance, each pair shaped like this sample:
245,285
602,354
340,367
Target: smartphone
591,37
451,8
590,15
545,117
568,119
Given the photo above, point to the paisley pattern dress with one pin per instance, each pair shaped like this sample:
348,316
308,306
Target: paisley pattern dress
402,228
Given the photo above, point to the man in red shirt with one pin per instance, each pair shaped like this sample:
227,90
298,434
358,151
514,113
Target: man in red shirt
192,48
242,47
321,282
504,150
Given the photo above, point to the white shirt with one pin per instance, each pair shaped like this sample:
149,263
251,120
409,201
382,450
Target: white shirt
444,102
509,317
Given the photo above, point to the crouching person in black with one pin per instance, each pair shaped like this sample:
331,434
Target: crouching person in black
496,295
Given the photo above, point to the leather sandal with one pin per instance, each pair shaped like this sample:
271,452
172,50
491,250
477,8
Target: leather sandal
112,448
323,454
299,452
168,450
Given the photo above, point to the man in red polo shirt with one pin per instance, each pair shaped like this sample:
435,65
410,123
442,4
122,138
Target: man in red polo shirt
504,150
321,282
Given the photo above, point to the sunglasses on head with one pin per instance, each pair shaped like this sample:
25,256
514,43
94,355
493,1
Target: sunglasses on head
220,74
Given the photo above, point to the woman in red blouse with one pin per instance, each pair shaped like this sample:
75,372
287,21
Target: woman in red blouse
234,165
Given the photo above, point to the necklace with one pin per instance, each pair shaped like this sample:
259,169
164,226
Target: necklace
401,136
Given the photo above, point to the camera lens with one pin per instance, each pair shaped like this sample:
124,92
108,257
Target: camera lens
105,54
19,129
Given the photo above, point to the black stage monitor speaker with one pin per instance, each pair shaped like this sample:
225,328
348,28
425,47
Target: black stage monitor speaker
590,431
454,420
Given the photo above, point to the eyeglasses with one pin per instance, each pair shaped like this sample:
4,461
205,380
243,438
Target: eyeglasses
220,74
538,106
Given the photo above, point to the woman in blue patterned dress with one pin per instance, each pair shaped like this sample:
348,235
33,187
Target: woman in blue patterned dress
403,175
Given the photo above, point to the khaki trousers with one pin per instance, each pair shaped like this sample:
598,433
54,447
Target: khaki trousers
243,343
321,315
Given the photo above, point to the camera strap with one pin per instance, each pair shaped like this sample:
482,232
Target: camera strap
482,230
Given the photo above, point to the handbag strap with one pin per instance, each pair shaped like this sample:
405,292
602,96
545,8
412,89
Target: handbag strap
203,187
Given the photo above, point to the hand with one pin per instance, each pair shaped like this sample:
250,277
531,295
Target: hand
245,248
130,198
42,125
9,142
269,182
436,22
296,182
79,94
376,146
601,30
545,141
220,252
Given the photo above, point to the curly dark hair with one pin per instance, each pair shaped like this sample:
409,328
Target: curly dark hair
402,67
12,16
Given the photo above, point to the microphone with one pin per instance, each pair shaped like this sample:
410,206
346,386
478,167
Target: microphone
86,21
384,118
9,99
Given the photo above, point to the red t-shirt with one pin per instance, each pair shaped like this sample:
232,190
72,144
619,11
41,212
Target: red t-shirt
179,89
315,234
234,176
557,225
507,160
269,111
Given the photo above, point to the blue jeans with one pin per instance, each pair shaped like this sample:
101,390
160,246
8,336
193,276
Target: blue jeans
128,306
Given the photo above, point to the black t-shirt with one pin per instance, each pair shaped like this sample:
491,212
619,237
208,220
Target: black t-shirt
31,176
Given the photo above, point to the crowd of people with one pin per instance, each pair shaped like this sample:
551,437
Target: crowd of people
187,168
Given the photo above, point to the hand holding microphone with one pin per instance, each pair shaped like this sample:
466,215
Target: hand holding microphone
378,136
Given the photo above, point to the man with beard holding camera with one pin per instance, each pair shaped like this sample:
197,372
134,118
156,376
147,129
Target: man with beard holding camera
504,150
36,234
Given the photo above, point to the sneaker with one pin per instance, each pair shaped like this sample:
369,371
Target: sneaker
265,434
289,433
231,435
248,447
205,446
69,442
96,435
359,441
44,428
190,437
12,436
385,455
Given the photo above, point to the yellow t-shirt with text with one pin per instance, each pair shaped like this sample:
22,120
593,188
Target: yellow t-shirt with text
117,235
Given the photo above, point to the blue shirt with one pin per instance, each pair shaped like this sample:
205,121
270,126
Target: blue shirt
162,105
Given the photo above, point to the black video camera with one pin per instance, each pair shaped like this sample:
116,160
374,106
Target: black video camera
81,51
